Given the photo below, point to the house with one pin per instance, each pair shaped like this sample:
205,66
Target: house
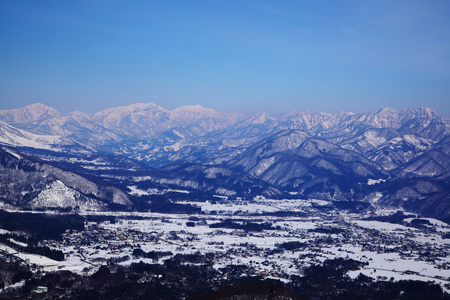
41,290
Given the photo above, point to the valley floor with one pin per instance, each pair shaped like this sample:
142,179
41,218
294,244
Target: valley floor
273,238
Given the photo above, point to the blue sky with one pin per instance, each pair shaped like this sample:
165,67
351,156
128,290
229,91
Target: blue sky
271,56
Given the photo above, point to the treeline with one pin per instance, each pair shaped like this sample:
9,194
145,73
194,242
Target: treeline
163,204
396,218
41,226
246,226
327,230
281,213
155,255
292,245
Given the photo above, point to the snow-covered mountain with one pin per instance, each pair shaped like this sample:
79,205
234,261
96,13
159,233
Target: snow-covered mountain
321,155
27,182
298,162
33,114
158,132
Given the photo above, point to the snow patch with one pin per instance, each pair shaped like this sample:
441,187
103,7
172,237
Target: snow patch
375,181
17,242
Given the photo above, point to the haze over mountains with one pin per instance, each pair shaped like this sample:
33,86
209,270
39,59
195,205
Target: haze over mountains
136,155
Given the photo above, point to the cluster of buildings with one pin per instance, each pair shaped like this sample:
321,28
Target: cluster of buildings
321,235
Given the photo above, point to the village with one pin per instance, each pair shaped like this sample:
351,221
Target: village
273,239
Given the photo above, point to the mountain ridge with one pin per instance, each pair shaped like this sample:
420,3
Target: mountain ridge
321,155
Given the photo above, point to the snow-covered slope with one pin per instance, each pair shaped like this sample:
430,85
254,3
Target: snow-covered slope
25,182
297,161
58,195
21,138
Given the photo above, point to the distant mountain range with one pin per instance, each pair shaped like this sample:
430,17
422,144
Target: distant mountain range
132,156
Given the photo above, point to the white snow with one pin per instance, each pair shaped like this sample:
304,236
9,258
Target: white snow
137,192
14,153
17,242
374,139
17,137
383,226
375,181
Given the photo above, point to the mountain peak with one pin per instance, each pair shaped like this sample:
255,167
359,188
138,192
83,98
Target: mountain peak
116,114
259,118
143,106
197,112
388,112
197,107
38,105
36,112
422,112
